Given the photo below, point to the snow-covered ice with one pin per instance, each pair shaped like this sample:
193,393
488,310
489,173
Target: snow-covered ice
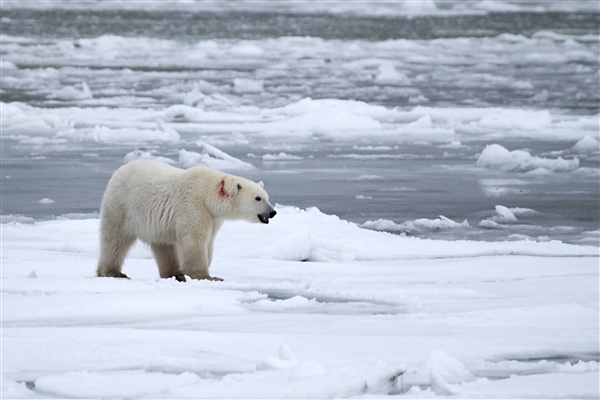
311,307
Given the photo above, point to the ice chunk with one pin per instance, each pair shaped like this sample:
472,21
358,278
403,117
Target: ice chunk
246,49
541,97
496,156
104,134
146,155
181,113
74,93
498,6
582,123
193,96
286,360
211,157
423,122
281,157
241,85
162,126
416,226
587,145
185,113
419,7
440,386
308,105
46,200
15,390
368,178
6,65
516,119
504,214
27,118
388,74
327,122
5,219
521,211
488,224
424,126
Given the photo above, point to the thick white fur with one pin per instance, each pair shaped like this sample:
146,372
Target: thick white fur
178,213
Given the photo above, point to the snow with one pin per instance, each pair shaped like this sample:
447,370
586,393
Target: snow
117,384
312,307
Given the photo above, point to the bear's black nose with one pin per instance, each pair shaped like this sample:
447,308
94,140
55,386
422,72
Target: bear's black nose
273,213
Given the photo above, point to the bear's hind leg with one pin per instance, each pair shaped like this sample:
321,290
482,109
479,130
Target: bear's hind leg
113,249
166,259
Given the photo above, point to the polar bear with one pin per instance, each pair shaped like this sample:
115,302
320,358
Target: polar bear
177,212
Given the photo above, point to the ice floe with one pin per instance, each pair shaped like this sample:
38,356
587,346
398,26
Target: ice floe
496,156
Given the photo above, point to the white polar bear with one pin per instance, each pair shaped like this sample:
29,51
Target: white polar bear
178,213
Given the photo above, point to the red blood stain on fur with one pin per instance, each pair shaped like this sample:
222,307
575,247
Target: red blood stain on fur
222,192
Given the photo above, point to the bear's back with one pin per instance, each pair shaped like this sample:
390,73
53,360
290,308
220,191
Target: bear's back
138,181
154,168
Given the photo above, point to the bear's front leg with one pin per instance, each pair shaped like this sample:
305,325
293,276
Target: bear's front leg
193,254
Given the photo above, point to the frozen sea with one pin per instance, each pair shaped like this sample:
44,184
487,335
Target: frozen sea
436,170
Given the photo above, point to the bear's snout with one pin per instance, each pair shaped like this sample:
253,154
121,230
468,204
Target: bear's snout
264,217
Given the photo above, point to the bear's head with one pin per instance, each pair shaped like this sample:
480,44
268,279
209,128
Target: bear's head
249,200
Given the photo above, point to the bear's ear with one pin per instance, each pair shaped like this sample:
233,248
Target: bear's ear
234,188
261,184
229,187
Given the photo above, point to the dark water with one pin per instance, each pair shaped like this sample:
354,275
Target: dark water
428,182
192,26
318,76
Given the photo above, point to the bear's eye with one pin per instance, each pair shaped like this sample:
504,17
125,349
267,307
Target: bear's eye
257,198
